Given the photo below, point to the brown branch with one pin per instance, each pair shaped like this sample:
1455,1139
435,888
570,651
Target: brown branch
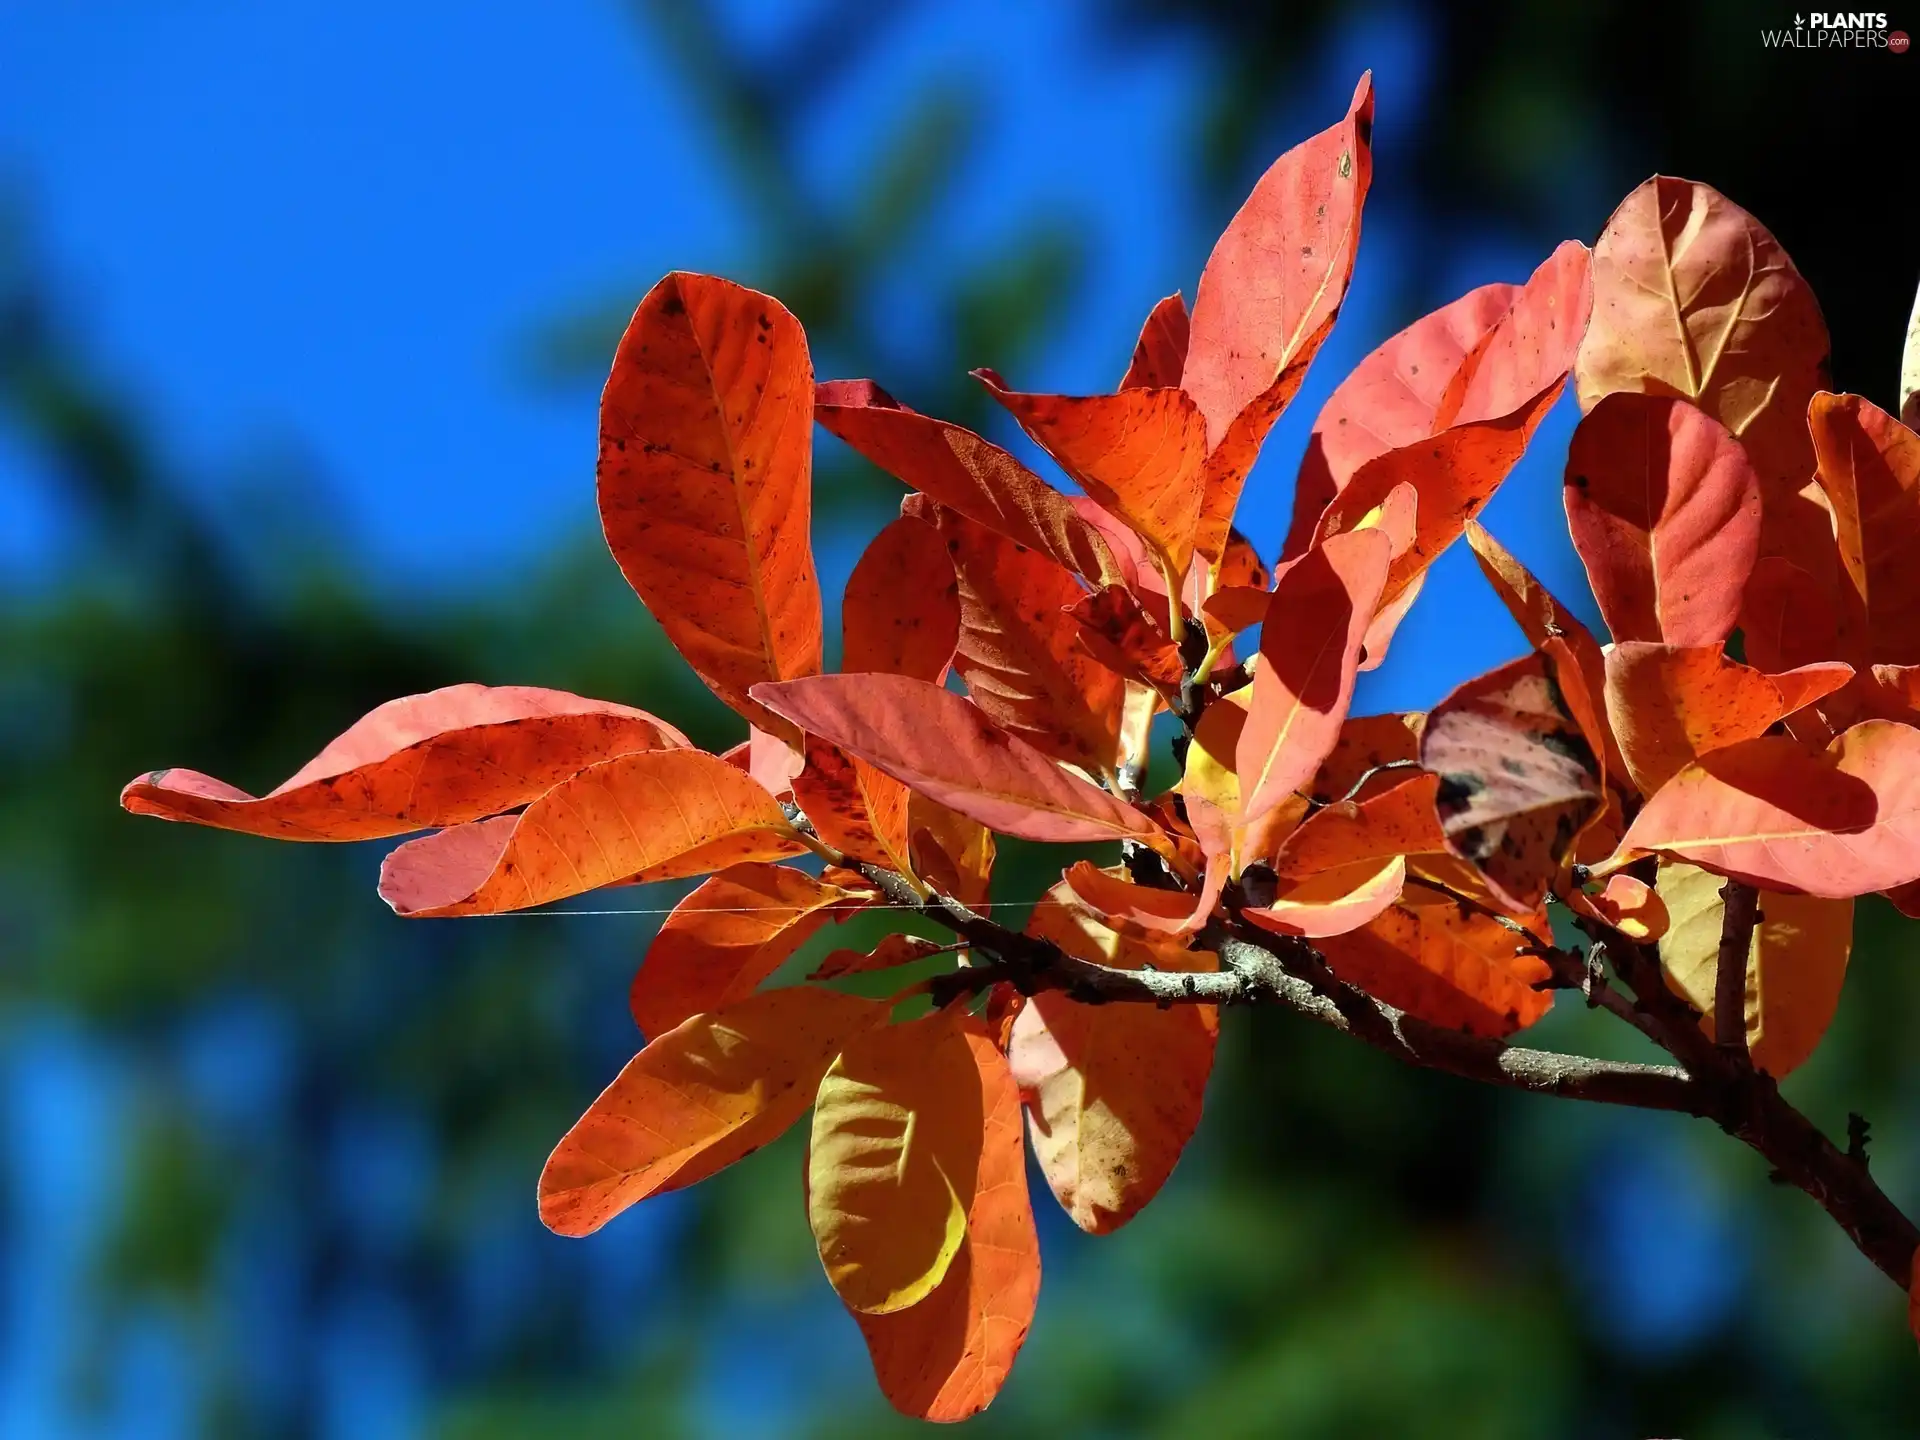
1741,904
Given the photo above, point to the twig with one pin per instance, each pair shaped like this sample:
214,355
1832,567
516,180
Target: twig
1730,980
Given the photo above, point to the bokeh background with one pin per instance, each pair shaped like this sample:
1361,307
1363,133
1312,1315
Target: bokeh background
303,313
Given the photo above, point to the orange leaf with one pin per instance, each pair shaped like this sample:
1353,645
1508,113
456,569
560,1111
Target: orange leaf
1021,656
1390,399
1694,298
894,1159
1269,296
1309,654
442,758
947,1357
938,744
1160,354
1142,911
854,807
1670,705
891,951
901,615
1368,743
654,816
1399,820
965,473
1783,816
706,461
1113,1092
707,1086
1126,639
1444,963
1454,473
1809,684
1665,512
1138,453
950,851
1789,619
1333,902
1234,608
720,942
1519,779
1628,904
1870,470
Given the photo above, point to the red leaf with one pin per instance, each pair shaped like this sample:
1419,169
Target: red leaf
965,473
706,461
1781,815
1137,453
1519,779
947,1357
1870,470
1789,619
442,758
1269,296
1127,640
1309,654
654,816
938,744
699,1097
1390,399
1665,512
901,615
1160,354
720,942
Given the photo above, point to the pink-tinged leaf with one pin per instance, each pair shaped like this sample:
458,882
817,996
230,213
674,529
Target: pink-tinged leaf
965,473
1137,453
442,758
699,1097
1309,655
1870,471
706,494
1669,705
901,615
1114,1092
1782,815
731,933
947,1357
1665,512
1160,354
1694,298
943,747
1390,399
655,816
1519,779
1457,470
1333,902
1021,655
1445,963
1269,296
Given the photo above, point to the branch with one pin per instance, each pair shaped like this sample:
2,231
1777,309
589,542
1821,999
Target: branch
1741,904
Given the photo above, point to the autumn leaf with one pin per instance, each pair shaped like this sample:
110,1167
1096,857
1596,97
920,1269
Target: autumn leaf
654,816
1782,815
731,933
892,950
1127,640
1333,901
1796,962
1664,507
1694,298
901,615
1114,1092
945,1358
1398,820
951,852
1021,655
1454,473
714,1086
706,461
1870,470
942,746
1789,619
854,807
1390,399
964,473
1670,705
1309,655
1137,453
442,758
894,1159
1160,354
1627,904
1142,911
1268,297
1519,779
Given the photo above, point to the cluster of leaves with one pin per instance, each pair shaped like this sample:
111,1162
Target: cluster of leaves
1713,489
